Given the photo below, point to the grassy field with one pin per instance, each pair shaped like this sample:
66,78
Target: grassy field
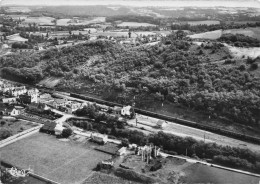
98,178
252,32
65,162
175,170
195,23
135,24
15,127
38,20
212,35
50,82
86,21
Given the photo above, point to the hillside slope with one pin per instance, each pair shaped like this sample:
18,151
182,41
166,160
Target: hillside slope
200,78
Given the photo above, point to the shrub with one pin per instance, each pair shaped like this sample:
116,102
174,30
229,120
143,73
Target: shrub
5,133
66,132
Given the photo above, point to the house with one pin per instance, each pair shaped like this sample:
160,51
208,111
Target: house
33,91
45,98
99,138
117,110
17,91
11,111
27,99
160,123
9,100
48,127
126,110
58,129
57,102
72,106
6,87
121,151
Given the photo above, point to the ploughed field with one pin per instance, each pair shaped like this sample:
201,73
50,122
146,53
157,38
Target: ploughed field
66,162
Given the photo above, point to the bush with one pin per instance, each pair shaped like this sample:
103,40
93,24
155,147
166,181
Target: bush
125,142
3,123
5,133
254,66
66,132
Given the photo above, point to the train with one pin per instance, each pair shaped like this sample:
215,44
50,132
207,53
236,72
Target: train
193,124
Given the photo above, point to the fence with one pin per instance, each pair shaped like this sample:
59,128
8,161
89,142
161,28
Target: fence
19,135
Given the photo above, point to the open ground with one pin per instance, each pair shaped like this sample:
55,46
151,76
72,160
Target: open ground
64,162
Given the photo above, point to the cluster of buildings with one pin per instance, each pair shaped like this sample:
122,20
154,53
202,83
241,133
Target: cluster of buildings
13,98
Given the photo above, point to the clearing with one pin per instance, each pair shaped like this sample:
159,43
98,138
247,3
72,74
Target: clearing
67,162
50,82
204,22
211,35
135,24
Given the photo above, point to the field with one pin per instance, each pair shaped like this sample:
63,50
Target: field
135,24
15,127
175,170
67,162
50,82
195,23
98,178
86,21
252,32
239,52
212,35
18,9
38,20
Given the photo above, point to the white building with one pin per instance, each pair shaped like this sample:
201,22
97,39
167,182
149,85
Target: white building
99,138
126,110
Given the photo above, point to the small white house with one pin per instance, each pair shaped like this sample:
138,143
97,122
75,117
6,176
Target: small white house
58,129
126,111
99,138
122,151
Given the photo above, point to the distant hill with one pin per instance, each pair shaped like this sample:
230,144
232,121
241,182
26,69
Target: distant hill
171,3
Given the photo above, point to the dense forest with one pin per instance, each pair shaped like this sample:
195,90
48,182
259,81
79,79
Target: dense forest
175,71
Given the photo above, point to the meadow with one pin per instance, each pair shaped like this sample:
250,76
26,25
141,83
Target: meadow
135,24
64,162
38,20
204,22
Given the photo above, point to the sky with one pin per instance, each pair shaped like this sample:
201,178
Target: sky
167,3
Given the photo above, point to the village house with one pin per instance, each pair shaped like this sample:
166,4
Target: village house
6,87
121,151
17,91
33,91
117,110
99,138
57,102
10,111
45,98
27,99
72,106
126,111
9,100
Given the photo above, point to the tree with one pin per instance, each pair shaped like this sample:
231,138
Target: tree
67,132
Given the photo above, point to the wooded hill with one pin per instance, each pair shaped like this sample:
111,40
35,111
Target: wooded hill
176,71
